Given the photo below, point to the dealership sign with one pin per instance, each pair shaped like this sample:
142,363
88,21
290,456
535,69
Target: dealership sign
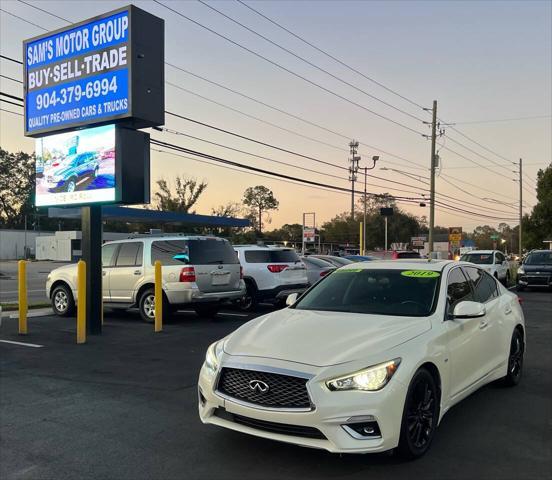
108,68
106,164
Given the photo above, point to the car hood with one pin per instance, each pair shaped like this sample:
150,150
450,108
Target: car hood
320,338
65,268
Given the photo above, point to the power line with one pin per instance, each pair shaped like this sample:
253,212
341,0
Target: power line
483,147
44,11
515,119
276,44
23,19
331,56
12,59
474,162
289,114
256,169
11,78
10,111
253,117
228,132
272,62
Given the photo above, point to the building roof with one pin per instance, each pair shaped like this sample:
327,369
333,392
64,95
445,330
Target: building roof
125,214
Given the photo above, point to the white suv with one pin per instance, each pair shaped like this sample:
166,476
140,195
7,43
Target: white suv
270,274
492,261
198,271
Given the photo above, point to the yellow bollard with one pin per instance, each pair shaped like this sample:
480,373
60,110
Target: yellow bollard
22,290
81,302
158,297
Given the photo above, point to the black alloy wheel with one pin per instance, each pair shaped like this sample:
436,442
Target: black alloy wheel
420,416
515,360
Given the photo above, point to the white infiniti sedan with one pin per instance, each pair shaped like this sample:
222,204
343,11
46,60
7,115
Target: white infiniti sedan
368,360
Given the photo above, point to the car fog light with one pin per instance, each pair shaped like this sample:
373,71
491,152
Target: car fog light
364,430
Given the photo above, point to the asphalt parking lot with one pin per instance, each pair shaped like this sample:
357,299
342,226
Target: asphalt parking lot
123,406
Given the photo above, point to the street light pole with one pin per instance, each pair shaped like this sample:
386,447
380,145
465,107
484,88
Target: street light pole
375,158
353,169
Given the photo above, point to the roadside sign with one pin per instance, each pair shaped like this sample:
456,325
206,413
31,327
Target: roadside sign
309,234
418,241
455,236
104,69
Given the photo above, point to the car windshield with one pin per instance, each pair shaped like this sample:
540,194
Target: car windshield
539,258
479,258
375,291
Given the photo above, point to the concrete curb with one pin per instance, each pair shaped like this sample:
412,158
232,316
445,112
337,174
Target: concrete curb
36,312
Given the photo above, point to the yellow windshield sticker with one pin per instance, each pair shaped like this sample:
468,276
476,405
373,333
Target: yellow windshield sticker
420,273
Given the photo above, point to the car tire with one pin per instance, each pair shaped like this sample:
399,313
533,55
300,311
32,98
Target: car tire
207,310
146,305
63,303
515,360
249,300
420,416
71,185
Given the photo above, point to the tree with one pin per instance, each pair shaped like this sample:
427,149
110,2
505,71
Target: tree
537,227
17,181
260,200
187,193
230,209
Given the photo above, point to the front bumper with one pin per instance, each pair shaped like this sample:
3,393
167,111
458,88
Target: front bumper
331,412
535,280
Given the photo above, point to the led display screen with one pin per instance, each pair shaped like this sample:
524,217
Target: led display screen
76,167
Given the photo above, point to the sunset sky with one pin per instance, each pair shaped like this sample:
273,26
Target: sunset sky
486,63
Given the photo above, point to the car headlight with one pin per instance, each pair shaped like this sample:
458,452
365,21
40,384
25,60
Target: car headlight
213,356
521,270
370,379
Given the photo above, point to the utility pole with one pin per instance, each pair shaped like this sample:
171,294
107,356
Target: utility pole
520,205
353,169
432,185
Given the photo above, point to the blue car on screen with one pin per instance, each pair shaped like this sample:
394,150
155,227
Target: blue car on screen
70,173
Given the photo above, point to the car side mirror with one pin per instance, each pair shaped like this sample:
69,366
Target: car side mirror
468,309
291,299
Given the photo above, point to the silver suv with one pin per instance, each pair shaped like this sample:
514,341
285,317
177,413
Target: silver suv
198,271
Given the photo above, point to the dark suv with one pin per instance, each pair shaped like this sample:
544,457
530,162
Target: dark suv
536,270
66,175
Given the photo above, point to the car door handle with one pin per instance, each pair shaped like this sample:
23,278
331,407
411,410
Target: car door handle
483,324
137,272
507,311
104,273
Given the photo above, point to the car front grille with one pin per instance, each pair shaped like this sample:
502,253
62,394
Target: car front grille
537,280
266,389
272,427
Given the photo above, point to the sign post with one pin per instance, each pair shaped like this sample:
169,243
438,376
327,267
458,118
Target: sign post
106,72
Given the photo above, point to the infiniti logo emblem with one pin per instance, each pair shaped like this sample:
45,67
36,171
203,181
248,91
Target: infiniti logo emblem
258,386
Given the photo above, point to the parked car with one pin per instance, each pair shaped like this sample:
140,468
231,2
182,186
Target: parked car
394,254
336,261
536,270
65,175
368,360
316,268
198,271
360,258
270,274
492,261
